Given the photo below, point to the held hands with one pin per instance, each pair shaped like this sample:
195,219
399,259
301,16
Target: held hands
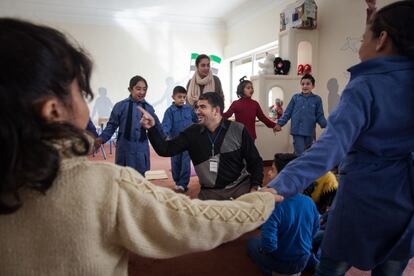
97,143
278,198
147,121
277,128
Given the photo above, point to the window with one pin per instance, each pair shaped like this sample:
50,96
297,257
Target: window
248,65
239,68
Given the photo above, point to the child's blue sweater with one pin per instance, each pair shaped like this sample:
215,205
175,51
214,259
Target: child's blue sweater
288,232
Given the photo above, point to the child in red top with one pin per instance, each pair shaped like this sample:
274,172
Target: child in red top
246,109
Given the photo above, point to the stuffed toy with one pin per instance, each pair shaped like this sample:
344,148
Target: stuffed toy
281,66
267,66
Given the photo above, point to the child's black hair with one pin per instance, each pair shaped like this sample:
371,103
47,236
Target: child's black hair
282,159
134,80
179,89
396,19
38,63
308,77
242,84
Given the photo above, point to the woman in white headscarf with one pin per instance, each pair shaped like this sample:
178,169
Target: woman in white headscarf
203,80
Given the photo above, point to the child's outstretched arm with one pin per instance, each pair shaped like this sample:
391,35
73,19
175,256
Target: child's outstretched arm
156,222
262,117
229,112
320,116
167,123
287,114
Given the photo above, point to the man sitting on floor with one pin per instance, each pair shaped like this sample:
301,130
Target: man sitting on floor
223,153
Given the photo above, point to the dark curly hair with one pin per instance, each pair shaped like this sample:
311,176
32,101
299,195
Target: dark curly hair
396,19
242,84
38,63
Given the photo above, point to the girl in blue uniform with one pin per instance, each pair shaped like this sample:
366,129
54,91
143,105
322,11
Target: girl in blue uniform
370,135
132,148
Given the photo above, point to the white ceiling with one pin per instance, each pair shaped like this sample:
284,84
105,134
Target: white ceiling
213,12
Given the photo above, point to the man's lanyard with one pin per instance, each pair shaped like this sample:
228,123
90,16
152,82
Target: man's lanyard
213,141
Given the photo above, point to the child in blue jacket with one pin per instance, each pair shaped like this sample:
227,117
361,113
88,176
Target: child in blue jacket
371,222
305,109
286,237
178,117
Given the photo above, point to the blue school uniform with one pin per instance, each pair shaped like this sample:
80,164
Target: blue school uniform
91,128
305,112
371,132
135,151
286,240
176,119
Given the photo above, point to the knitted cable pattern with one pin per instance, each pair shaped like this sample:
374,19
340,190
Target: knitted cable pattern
225,211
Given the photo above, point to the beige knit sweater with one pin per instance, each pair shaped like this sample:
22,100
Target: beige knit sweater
96,212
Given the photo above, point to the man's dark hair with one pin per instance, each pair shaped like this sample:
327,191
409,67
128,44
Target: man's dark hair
214,100
179,89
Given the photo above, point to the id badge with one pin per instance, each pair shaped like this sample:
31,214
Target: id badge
214,165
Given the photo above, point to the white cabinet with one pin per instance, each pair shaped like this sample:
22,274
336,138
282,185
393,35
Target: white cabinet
299,47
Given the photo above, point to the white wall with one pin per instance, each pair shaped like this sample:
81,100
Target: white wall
160,51
340,24
252,33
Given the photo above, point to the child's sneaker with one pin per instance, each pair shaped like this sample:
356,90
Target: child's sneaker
179,189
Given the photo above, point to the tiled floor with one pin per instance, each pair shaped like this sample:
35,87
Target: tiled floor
227,259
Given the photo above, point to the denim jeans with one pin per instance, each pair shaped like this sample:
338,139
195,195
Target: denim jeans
330,267
268,263
181,169
300,143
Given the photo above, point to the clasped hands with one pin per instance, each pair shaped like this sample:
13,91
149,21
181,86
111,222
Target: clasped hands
277,128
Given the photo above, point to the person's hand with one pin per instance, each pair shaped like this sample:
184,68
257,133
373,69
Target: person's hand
97,143
147,121
371,4
278,198
277,128
254,189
